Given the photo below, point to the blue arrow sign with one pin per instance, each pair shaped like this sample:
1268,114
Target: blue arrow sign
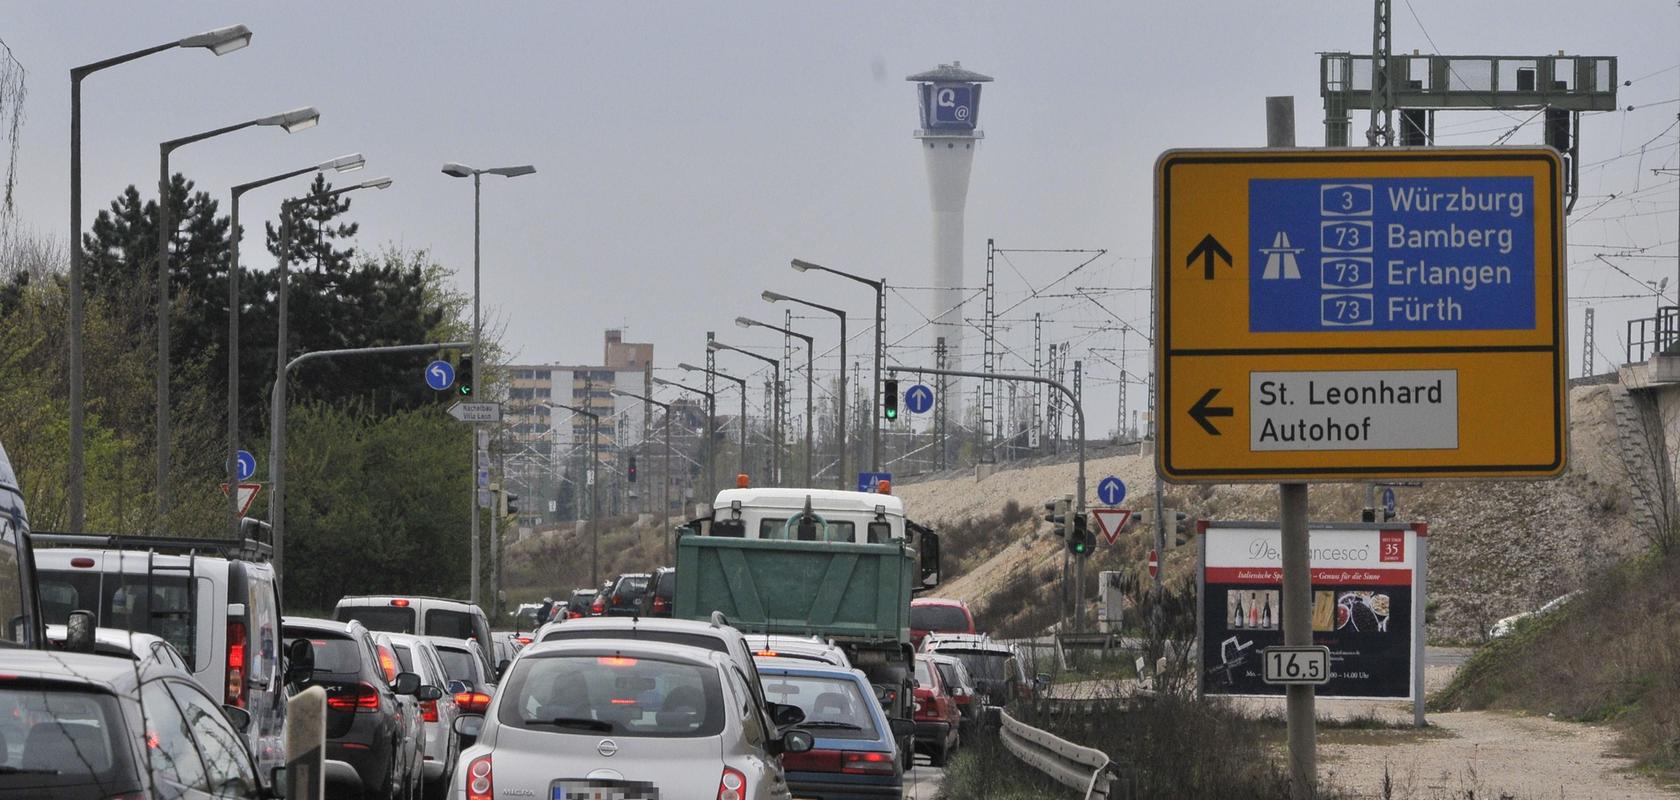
440,375
871,481
1111,491
245,465
1388,501
919,399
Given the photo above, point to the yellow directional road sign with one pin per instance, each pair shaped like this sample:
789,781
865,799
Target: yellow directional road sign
1360,314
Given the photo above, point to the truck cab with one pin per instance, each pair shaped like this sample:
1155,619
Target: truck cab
836,516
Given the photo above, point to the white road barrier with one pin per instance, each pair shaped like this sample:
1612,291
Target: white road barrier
1071,765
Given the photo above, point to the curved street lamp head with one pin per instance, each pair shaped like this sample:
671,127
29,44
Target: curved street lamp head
801,266
690,367
748,323
220,41
455,170
376,183
773,297
715,345
295,120
512,172
347,163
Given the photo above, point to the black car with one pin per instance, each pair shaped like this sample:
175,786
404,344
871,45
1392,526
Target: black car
375,734
577,606
625,597
661,592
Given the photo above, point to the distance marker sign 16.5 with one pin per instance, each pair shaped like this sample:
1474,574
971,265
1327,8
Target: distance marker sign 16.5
1359,314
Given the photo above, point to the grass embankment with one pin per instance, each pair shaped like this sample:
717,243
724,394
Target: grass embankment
553,564
1612,654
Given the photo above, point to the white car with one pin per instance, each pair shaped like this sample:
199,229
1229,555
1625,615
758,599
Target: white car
417,655
624,718
803,648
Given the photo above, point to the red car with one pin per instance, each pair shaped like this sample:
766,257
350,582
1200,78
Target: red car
938,719
938,615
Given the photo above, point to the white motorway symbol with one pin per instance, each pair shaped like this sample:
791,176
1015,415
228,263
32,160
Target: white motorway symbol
1365,410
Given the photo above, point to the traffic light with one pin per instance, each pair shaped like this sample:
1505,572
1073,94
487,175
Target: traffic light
889,398
1058,515
512,503
464,377
630,471
1081,541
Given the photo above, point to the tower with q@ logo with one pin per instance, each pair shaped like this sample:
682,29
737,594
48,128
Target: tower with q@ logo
949,97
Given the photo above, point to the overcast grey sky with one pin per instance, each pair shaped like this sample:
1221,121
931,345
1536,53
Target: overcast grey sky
687,150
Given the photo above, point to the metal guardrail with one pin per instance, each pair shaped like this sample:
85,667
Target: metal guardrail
1069,764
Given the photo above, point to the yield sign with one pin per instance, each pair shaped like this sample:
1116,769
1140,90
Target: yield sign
1111,521
247,495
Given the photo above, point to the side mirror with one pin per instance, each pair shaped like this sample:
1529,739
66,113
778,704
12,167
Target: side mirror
78,635
468,727
901,727
406,683
429,693
930,559
455,687
277,783
238,717
798,742
501,669
785,715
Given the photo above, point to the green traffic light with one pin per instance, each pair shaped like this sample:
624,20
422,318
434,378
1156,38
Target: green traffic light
892,413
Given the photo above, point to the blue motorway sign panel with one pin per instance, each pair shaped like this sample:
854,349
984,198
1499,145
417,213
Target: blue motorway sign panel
919,399
1360,314
870,481
1395,254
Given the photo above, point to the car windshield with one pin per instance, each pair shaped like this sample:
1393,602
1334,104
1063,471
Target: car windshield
62,743
699,640
983,665
458,663
923,679
334,655
948,619
444,622
630,588
613,694
834,707
404,657
826,530
122,602
667,587
948,674
390,619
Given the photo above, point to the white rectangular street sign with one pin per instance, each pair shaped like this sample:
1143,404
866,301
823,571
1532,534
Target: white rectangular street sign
1336,410
1301,663
483,498
483,441
476,412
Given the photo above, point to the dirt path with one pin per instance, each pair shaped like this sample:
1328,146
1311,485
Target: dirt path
1495,755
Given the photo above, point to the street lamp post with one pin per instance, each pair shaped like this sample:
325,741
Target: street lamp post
742,422
354,161
291,122
880,288
220,41
665,493
455,170
840,432
594,490
776,401
277,424
711,430
810,359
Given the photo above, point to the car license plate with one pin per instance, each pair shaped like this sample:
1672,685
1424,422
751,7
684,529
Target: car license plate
604,790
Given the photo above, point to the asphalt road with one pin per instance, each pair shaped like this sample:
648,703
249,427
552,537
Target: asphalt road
922,782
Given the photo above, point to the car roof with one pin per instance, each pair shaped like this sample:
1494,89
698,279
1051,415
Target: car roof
319,624
452,643
385,599
937,601
108,673
809,669
663,650
648,623
794,499
966,641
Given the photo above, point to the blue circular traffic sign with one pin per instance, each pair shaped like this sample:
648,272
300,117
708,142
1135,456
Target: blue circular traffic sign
245,465
1111,491
440,375
919,399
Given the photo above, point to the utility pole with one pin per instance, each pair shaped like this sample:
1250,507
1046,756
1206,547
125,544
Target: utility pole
1587,344
988,387
939,409
1381,132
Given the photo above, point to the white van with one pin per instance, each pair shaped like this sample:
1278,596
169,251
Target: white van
422,616
216,601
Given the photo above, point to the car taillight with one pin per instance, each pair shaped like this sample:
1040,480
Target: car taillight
472,702
428,710
732,786
387,663
235,664
812,761
359,697
598,606
868,763
479,780
661,604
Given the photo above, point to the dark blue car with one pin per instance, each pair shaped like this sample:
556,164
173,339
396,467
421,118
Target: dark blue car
854,755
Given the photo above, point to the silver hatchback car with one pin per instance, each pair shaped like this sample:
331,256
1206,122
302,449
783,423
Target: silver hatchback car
624,719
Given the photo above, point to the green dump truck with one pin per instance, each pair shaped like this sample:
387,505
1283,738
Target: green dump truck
814,562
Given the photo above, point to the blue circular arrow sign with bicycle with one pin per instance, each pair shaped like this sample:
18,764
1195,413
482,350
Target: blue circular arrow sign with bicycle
1111,491
440,375
919,399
